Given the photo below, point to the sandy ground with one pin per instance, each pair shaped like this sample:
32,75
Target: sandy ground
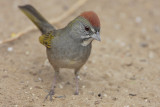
122,71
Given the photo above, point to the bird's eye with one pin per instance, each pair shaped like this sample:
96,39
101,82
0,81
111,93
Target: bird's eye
87,28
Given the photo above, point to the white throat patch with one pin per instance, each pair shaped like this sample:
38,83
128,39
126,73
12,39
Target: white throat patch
86,42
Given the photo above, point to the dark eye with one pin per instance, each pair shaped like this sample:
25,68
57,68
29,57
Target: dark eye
87,28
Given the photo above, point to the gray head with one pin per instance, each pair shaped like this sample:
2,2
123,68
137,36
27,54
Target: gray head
85,28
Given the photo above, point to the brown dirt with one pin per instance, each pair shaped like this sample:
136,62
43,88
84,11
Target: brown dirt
122,71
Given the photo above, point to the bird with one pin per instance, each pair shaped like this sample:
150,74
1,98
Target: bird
68,47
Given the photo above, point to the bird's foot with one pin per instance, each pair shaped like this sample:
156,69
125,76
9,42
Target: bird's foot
50,94
76,93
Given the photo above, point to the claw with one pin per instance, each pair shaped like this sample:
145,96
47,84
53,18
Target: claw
51,93
76,93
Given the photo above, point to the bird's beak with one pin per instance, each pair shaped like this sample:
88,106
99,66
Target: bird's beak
96,36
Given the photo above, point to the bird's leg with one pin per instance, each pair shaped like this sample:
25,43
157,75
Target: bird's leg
77,81
51,92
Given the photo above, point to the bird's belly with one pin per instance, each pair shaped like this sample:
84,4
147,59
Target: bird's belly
67,63
68,58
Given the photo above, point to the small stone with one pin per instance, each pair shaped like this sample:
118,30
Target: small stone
151,55
85,67
83,86
38,87
117,26
114,98
10,49
68,83
30,88
91,92
144,30
27,52
144,44
126,106
132,94
73,98
133,78
96,102
138,19
143,60
60,86
4,70
5,76
46,63
27,82
79,77
93,61
39,79
123,44
15,105
146,100
105,95
157,28
128,62
123,15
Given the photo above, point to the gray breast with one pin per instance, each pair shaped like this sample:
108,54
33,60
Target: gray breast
66,53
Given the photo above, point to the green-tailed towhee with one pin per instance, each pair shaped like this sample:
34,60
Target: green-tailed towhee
70,46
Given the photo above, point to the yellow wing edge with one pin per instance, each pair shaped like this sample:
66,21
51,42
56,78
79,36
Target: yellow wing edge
45,39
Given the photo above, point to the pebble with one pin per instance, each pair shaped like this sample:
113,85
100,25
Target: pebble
39,79
146,100
96,102
105,95
127,62
60,86
157,28
85,67
38,87
151,55
27,52
138,19
117,26
123,15
27,82
144,30
83,86
73,98
4,70
132,94
123,44
79,77
46,63
10,49
144,44
33,94
93,61
120,42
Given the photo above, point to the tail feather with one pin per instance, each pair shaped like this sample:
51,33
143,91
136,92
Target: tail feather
43,25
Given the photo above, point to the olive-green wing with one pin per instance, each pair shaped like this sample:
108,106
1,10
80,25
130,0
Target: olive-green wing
45,39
